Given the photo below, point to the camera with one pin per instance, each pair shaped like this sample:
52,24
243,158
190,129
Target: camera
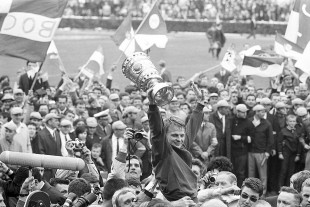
210,178
76,146
85,200
137,135
97,190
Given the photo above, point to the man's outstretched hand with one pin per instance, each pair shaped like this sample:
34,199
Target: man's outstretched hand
150,97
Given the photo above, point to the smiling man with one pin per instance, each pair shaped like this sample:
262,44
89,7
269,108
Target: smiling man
171,139
251,191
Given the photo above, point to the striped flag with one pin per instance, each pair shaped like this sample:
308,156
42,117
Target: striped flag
262,66
250,51
124,37
292,28
152,30
95,62
287,48
27,27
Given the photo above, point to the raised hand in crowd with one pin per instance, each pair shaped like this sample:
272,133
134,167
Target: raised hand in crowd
184,202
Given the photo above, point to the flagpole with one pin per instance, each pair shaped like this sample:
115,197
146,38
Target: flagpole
132,38
36,76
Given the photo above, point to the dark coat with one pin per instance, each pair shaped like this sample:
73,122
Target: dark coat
106,151
222,79
25,83
47,143
224,139
55,196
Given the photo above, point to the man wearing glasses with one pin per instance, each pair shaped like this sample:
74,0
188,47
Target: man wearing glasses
251,191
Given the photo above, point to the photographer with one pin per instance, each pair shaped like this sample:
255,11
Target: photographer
225,189
172,161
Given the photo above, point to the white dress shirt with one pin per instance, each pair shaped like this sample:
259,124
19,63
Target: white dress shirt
114,145
64,138
222,117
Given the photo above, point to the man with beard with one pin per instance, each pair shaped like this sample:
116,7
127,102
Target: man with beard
251,191
242,132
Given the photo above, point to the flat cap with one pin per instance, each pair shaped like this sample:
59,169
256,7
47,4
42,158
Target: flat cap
144,119
7,96
207,109
102,113
51,116
265,101
242,108
91,122
222,103
114,96
258,107
213,95
280,104
130,109
301,111
16,110
10,125
35,115
65,122
297,101
118,125
18,90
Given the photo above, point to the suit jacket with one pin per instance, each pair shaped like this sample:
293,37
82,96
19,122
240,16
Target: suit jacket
166,76
25,83
47,143
224,139
222,79
55,196
104,132
106,152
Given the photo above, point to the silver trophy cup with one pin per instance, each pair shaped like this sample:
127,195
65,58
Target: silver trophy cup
139,69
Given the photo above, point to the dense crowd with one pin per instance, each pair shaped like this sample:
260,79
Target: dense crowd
238,10
219,142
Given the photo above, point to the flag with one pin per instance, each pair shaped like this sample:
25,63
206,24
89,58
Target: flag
304,23
86,72
262,66
124,37
287,48
95,62
53,60
292,28
27,27
303,63
250,51
228,62
152,30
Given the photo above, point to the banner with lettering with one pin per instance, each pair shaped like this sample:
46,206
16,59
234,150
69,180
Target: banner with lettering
27,27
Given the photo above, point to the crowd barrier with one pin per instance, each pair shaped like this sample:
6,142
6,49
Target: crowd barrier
173,25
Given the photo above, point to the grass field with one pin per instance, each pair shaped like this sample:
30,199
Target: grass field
185,54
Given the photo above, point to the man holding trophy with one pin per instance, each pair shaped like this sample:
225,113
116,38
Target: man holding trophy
171,139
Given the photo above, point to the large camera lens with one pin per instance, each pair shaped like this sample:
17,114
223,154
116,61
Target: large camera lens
138,136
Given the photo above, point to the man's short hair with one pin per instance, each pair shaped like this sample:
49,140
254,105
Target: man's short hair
261,203
55,181
69,112
121,95
134,157
96,146
173,121
290,116
297,196
299,180
62,96
254,184
89,177
80,102
251,94
120,192
232,177
111,186
220,163
97,89
306,183
79,186
199,164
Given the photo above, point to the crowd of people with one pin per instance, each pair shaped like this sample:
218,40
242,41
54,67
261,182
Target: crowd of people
219,142
238,10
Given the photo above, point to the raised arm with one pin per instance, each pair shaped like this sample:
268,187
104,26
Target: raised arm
193,126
